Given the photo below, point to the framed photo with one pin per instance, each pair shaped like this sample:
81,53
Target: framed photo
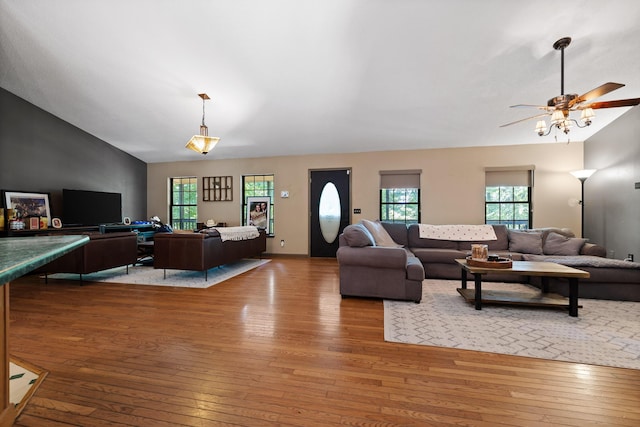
258,212
56,223
27,205
34,223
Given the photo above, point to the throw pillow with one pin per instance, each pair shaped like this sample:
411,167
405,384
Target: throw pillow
557,244
380,235
525,242
357,236
210,232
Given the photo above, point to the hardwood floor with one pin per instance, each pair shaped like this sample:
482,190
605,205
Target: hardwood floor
277,346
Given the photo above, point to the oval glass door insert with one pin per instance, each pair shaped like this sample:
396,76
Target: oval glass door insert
329,212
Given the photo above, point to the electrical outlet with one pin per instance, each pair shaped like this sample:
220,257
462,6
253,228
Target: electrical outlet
630,257
282,243
357,211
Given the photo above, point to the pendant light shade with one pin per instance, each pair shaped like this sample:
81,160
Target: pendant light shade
202,143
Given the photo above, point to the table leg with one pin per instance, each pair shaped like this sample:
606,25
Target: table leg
573,297
464,279
545,284
478,285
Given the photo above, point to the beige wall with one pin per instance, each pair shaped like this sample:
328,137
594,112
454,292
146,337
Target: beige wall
452,185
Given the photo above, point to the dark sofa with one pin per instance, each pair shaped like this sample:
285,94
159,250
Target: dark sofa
610,279
202,251
102,252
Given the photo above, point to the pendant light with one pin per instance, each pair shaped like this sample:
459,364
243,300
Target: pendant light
202,143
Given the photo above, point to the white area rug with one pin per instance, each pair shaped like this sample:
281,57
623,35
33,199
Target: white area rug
605,333
144,275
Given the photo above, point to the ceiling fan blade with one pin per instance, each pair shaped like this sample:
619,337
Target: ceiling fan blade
527,105
540,107
524,120
595,93
614,104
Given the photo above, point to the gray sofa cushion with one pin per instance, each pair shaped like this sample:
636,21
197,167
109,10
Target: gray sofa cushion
380,235
593,249
397,231
438,256
525,242
557,244
357,236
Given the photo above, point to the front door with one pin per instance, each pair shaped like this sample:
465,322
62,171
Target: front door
329,209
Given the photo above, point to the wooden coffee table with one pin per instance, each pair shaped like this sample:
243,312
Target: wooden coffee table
525,268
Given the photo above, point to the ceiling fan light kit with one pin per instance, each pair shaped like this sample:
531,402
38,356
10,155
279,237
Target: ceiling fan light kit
202,143
560,107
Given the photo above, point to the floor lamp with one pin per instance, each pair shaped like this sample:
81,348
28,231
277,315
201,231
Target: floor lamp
582,175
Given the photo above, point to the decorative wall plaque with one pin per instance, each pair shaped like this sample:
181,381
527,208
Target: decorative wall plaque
217,188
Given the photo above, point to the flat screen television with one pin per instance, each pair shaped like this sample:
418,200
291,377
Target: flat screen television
86,208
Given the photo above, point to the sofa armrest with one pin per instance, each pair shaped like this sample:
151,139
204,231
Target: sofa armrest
593,249
373,256
415,269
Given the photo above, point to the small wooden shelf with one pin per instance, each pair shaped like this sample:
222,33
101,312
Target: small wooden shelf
217,188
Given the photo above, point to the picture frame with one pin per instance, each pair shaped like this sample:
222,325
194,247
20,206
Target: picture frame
27,205
259,212
56,223
34,223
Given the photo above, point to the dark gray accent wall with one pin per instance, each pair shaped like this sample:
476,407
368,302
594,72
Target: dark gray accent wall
42,153
612,203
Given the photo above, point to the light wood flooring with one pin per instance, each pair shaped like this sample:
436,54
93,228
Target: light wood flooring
277,346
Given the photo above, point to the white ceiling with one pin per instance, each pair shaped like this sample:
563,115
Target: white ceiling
290,77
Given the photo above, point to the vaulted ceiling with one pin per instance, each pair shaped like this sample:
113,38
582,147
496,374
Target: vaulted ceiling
292,77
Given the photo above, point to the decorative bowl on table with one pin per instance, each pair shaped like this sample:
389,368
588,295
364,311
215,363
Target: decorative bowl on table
493,261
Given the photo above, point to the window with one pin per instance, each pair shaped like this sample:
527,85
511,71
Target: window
400,196
258,186
508,197
183,211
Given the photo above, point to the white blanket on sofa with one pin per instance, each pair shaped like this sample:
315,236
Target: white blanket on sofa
457,232
583,261
238,233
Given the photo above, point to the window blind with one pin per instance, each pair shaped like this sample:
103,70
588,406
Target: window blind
400,179
509,176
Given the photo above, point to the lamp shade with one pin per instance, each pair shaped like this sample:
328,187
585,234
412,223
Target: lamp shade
583,174
557,117
202,144
586,116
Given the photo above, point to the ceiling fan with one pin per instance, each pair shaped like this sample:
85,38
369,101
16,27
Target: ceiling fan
561,106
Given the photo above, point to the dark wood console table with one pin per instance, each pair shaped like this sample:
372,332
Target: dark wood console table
19,256
51,231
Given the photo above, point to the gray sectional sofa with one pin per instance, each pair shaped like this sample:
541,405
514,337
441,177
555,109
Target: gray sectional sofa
366,268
